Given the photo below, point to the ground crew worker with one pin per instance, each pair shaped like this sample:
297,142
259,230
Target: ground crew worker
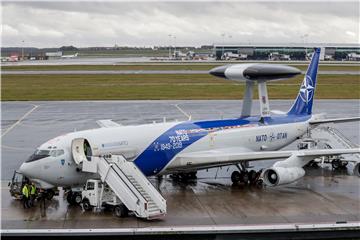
25,195
32,194
41,200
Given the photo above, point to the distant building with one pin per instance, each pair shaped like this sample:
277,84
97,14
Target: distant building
291,51
53,54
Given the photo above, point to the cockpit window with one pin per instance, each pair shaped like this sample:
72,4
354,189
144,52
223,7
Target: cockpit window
59,152
39,154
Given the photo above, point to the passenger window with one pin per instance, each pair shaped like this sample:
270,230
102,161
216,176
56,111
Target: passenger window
90,186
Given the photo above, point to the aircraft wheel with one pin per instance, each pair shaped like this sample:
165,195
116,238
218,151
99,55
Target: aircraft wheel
245,177
252,176
235,177
86,204
121,211
344,164
336,164
192,175
49,194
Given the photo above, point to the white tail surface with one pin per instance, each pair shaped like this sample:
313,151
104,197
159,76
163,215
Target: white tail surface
129,184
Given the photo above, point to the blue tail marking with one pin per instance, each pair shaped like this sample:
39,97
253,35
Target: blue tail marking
304,101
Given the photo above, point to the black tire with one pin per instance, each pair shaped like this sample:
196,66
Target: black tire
245,177
86,204
336,164
121,211
192,175
49,194
344,164
314,164
77,199
252,176
69,198
235,177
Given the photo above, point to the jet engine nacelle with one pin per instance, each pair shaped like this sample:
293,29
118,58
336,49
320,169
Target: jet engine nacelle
83,149
255,72
357,169
280,175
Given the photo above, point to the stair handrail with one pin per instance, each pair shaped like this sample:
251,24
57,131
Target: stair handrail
154,193
125,182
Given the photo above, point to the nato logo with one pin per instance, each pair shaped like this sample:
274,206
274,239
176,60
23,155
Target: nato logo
307,89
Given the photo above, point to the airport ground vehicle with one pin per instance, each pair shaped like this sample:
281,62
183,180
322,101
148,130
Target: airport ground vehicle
17,182
99,195
336,161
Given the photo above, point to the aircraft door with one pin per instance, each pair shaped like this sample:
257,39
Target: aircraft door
81,150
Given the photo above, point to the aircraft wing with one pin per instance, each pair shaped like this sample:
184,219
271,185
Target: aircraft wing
107,123
335,120
229,156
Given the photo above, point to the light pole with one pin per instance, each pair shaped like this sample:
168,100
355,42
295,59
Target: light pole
22,50
223,42
175,44
169,45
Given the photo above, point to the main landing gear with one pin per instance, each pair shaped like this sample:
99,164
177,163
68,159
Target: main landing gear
184,177
246,177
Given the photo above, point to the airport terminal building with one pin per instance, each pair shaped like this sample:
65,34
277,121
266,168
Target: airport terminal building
283,51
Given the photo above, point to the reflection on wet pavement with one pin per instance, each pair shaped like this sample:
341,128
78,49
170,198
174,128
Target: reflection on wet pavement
321,196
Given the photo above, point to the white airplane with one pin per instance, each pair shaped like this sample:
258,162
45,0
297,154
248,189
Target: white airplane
235,56
70,56
185,147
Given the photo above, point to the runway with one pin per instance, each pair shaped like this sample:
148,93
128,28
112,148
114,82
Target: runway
124,72
150,60
211,202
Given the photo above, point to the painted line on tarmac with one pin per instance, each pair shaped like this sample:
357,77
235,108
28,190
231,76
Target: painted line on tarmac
19,121
182,111
17,148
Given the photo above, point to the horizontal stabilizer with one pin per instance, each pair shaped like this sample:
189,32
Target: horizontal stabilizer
107,123
335,120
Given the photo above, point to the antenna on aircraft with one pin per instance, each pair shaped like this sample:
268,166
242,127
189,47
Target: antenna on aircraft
255,73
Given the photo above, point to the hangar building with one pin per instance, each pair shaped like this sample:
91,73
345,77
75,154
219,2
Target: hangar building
287,51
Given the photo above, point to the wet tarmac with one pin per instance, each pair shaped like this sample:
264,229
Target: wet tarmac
321,196
123,72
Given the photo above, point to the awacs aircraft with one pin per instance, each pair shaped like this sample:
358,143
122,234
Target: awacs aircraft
185,147
70,56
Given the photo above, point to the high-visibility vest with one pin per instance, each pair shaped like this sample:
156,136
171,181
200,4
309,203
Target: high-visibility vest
25,191
33,190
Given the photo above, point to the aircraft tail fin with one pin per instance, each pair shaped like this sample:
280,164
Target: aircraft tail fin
304,101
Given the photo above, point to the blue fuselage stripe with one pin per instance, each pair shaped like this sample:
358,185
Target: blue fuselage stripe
164,148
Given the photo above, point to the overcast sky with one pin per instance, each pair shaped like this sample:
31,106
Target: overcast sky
82,24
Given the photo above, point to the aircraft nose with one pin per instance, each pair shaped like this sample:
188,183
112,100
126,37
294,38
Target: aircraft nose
219,71
26,169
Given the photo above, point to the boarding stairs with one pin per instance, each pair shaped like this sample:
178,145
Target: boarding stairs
129,184
333,138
